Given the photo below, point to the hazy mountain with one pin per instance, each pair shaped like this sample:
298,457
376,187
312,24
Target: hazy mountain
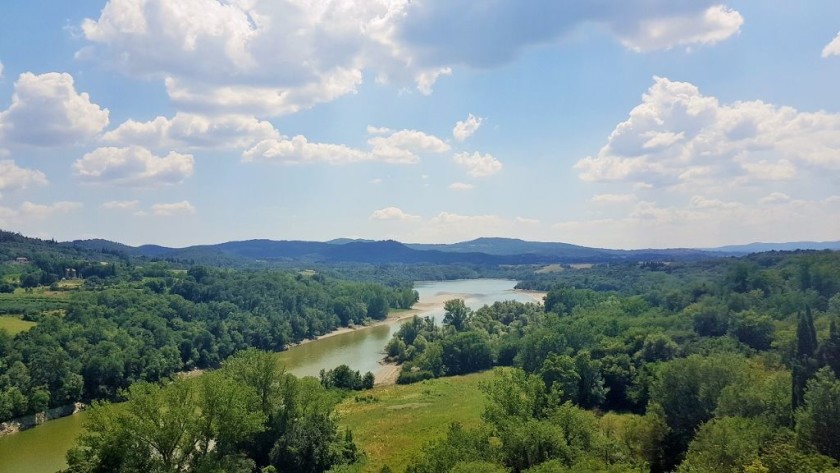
481,251
758,247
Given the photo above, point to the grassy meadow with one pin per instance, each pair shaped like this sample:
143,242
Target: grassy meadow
14,324
391,423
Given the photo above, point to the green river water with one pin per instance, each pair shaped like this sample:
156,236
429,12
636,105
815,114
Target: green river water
42,449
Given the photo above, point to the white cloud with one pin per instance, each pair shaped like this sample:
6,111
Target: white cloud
31,218
775,197
464,129
274,57
193,131
46,110
386,145
41,211
375,181
614,199
133,166
678,136
461,186
832,48
392,213
1,69
427,79
715,24
478,165
14,177
173,209
527,221
122,205
403,146
298,150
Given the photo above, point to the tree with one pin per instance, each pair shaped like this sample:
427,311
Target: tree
687,390
457,314
466,352
753,330
804,362
726,445
829,352
818,421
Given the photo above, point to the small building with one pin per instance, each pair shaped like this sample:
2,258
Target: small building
21,260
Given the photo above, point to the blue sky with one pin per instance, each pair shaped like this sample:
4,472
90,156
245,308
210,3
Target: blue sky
643,123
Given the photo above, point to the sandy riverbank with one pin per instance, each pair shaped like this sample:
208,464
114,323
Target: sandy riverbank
538,296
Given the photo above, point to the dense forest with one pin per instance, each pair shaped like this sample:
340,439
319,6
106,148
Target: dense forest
147,323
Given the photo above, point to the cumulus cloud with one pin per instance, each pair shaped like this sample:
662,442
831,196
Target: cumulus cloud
14,177
712,25
133,166
386,145
274,57
832,48
193,131
392,213
1,69
461,186
173,209
123,205
614,199
46,110
477,164
465,129
679,136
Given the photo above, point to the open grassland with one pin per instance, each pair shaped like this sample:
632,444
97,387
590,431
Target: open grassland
14,325
391,423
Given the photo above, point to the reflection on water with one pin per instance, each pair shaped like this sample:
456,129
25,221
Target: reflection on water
41,450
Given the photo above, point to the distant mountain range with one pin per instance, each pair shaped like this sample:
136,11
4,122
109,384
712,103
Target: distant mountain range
481,251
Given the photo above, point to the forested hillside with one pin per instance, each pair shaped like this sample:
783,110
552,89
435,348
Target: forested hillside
105,332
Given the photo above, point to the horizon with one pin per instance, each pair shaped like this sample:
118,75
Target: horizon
362,240
639,126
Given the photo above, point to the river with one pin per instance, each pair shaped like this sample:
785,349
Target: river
42,449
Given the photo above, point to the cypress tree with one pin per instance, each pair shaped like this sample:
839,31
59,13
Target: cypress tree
830,349
804,362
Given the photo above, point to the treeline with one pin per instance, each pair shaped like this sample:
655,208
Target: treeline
144,324
733,373
247,416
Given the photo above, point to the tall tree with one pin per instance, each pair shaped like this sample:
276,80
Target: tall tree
804,362
830,349
457,314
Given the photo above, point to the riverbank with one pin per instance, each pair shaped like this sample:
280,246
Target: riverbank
419,308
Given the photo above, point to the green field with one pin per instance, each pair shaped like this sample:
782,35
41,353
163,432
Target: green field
14,325
400,419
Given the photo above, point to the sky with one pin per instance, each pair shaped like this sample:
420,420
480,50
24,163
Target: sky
632,124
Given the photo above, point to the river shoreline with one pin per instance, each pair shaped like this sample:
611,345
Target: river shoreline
387,374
